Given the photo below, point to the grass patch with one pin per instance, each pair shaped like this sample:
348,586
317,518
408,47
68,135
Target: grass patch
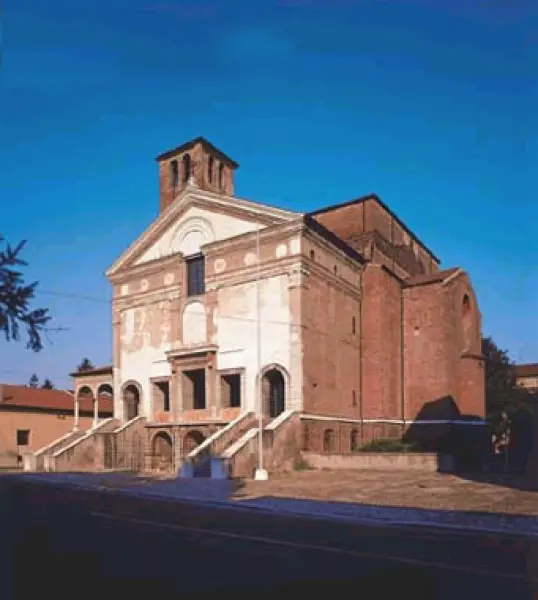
301,464
387,445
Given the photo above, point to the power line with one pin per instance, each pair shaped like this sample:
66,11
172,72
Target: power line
74,296
223,317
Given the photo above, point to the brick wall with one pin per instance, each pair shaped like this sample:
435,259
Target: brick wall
381,346
331,348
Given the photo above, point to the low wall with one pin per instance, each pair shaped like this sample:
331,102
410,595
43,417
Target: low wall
381,461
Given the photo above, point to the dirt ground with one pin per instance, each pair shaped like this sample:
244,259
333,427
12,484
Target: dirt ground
485,493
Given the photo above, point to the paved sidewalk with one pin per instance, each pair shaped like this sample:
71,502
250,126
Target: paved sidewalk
367,498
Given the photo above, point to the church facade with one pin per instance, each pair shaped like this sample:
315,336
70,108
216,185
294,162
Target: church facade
342,317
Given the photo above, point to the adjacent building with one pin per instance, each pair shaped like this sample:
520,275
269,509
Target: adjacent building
527,376
31,418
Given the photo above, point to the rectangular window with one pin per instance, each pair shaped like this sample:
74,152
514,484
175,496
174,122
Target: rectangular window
23,437
195,276
161,396
194,396
231,390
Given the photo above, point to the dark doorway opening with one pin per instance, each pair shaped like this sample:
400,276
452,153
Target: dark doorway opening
131,401
273,391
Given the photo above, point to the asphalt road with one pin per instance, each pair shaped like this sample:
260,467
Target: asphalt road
75,544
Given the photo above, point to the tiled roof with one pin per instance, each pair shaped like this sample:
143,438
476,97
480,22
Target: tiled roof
105,370
526,370
437,277
14,396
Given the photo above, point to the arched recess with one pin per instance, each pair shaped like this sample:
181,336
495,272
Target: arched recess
470,322
191,235
131,395
194,323
328,441
162,451
192,440
275,389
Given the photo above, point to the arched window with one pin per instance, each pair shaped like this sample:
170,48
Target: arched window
221,175
466,304
174,172
328,441
210,169
187,166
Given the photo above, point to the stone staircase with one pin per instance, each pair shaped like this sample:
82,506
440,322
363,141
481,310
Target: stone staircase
109,446
218,443
40,460
237,445
280,447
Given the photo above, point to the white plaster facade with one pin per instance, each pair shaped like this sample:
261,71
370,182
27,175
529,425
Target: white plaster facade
147,329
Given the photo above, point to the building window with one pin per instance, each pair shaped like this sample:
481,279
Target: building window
195,276
210,168
328,441
312,255
306,438
161,396
194,393
174,172
353,325
23,437
187,165
354,440
335,269
231,390
354,398
221,174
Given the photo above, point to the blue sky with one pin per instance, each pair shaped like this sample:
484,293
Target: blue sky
429,103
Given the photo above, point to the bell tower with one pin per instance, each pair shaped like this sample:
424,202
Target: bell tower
196,163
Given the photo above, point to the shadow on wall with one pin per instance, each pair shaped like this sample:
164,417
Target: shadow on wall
471,445
440,427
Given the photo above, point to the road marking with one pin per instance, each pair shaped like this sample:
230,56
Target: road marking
302,546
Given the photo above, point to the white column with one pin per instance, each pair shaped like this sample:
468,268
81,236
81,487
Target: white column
76,421
95,410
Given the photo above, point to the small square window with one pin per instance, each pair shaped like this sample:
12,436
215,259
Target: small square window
23,437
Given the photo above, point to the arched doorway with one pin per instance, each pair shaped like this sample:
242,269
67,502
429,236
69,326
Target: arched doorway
162,452
131,402
273,393
192,440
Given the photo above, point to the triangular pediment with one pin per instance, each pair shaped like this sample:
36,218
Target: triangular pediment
196,218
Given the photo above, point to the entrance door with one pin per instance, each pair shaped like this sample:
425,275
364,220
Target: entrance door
274,392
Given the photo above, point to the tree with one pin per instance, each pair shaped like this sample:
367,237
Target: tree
85,365
47,384
15,298
503,395
33,381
